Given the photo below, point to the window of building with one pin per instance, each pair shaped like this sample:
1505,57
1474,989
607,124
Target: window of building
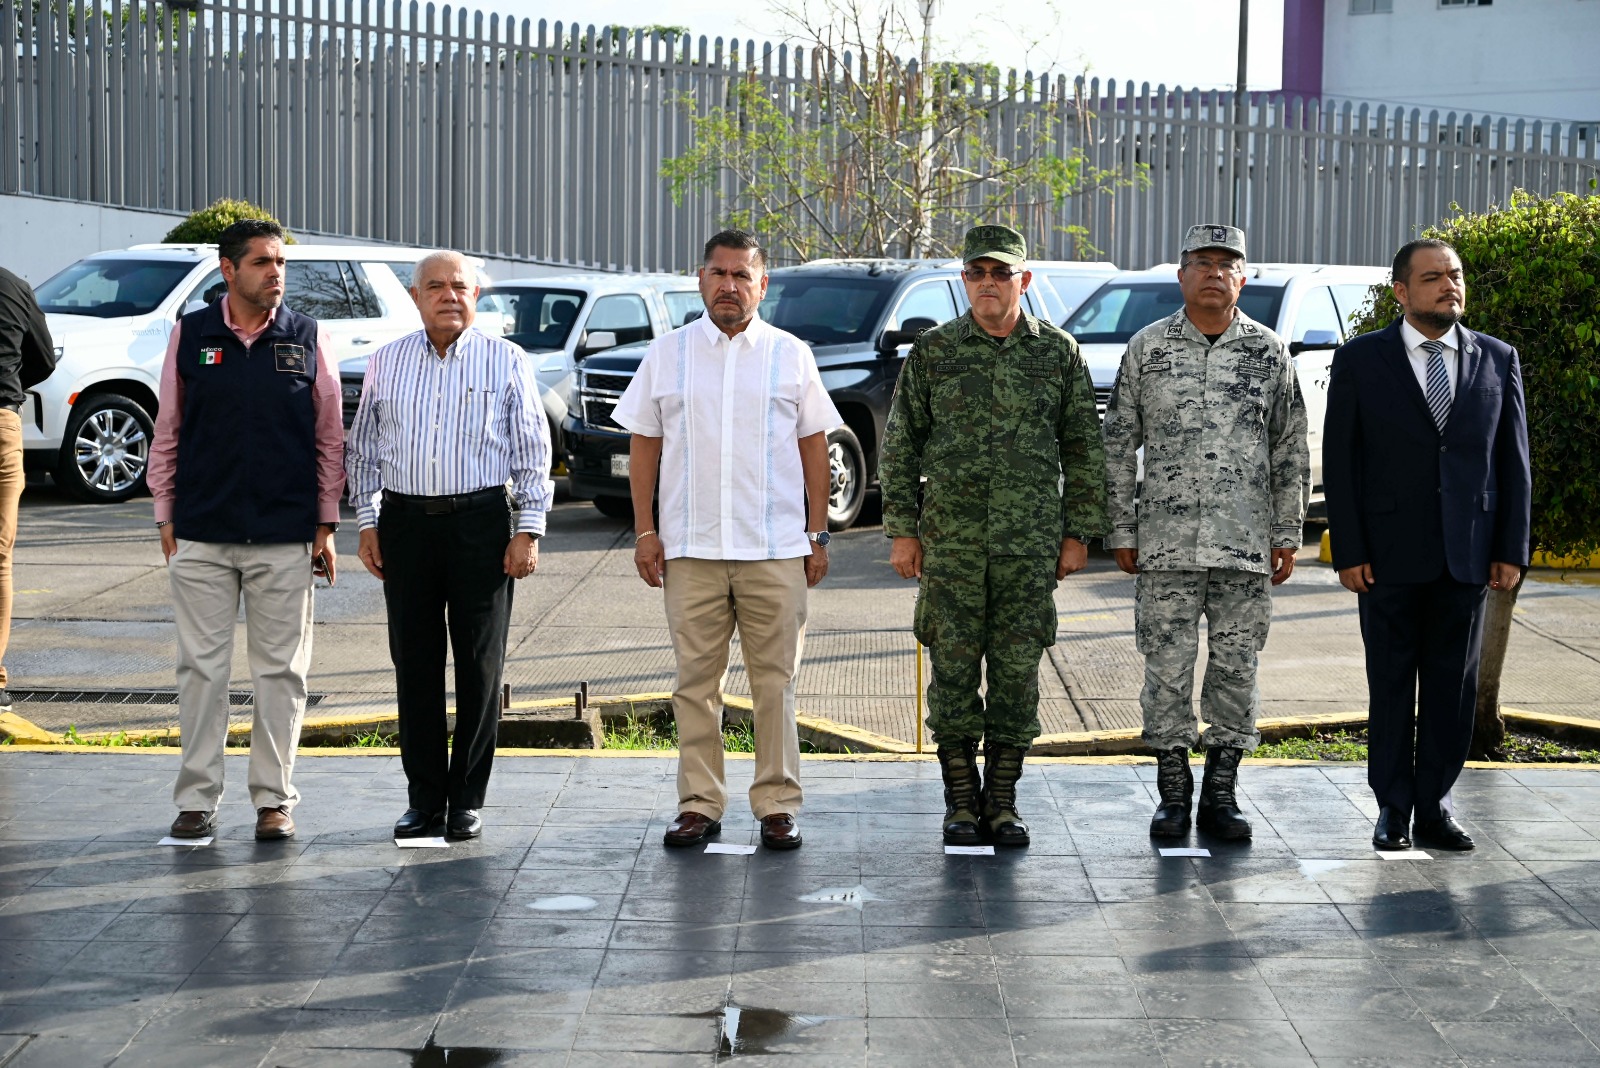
1371,7
1465,3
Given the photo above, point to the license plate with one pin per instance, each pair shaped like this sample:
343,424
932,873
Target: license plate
619,465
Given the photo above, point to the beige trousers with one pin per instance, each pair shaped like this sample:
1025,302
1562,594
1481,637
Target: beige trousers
766,600
208,579
11,481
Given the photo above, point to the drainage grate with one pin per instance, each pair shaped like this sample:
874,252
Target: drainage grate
130,697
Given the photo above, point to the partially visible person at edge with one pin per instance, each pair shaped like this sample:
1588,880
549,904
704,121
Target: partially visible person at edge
449,418
1425,464
27,357
995,409
730,419
1212,398
247,470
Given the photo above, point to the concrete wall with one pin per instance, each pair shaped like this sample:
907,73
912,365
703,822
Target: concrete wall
41,235
1532,58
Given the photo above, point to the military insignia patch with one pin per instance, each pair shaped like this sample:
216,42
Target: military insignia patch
209,356
1219,233
290,359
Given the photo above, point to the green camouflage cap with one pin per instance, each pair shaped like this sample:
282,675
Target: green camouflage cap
994,242
1214,235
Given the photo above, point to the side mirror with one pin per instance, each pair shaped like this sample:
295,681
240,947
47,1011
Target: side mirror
1314,339
595,340
910,330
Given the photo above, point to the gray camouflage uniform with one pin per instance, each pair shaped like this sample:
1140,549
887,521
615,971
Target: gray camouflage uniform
1227,477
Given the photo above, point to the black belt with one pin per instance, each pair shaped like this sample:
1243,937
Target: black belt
445,505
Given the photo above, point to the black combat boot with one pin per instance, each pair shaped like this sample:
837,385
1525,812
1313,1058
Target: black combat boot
1219,813
1175,780
1002,767
962,787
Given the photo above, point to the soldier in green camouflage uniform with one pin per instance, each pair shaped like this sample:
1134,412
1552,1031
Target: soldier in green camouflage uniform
1213,399
994,409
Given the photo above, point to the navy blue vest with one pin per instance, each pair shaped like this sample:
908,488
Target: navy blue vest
247,449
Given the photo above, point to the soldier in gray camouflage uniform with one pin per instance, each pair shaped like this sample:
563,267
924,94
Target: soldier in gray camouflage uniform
1213,399
996,410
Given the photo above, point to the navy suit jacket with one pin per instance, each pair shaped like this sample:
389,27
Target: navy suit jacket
1410,501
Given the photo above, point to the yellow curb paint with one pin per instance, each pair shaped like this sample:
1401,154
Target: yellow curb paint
1567,563
15,727
1325,553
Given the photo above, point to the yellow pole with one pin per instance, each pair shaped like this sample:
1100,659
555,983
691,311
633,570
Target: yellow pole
919,697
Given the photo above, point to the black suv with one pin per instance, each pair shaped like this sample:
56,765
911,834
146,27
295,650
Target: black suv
858,316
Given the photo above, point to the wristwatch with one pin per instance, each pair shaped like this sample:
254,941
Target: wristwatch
821,537
332,527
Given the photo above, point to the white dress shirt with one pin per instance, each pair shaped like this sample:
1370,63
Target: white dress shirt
730,413
1419,356
433,427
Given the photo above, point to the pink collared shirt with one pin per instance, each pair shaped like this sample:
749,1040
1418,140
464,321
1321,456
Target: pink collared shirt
326,410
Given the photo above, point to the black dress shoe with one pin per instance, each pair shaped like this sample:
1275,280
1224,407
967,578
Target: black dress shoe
1389,833
463,823
419,824
1444,833
690,828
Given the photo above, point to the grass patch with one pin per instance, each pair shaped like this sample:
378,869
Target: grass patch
117,738
373,739
1520,748
650,733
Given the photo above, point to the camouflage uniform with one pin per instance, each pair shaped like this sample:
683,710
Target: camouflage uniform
994,425
1227,476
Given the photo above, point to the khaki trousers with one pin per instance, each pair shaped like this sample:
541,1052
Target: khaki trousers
11,481
208,579
766,600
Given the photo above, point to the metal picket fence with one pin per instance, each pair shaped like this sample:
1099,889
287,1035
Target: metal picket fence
401,122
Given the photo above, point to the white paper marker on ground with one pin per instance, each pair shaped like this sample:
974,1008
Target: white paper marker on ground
1403,854
1184,851
735,850
422,843
969,851
169,840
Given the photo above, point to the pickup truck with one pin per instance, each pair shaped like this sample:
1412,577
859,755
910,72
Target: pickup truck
859,317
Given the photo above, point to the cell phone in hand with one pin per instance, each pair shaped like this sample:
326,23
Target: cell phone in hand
319,568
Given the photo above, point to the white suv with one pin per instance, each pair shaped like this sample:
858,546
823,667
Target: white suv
90,423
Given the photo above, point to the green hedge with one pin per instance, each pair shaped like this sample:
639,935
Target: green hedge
203,226
1533,280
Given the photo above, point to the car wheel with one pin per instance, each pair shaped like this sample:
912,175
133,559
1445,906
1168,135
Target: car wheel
106,449
614,507
847,478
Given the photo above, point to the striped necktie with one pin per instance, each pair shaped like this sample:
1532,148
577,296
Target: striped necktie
1438,384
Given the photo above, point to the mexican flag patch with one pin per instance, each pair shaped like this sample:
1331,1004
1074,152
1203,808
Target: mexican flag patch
210,356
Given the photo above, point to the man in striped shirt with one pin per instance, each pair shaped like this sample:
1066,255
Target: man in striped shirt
449,421
731,414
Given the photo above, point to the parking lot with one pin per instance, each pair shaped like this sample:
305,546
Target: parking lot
94,626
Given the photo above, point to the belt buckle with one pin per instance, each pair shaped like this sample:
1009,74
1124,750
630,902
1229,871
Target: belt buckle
438,506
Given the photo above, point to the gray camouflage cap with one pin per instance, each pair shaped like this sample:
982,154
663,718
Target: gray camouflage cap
1214,235
994,242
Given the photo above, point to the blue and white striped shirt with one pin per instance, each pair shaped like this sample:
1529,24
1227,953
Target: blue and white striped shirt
432,427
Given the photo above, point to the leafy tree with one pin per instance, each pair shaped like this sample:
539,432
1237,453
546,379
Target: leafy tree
1533,280
875,156
204,225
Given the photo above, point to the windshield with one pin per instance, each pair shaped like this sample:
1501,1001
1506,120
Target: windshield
1121,309
108,289
531,316
827,310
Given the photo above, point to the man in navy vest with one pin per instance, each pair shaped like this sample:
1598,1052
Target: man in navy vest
247,468
1425,465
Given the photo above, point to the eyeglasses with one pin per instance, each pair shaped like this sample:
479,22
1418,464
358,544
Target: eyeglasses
999,274
1205,266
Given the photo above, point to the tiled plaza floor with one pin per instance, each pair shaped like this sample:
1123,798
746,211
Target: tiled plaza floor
569,936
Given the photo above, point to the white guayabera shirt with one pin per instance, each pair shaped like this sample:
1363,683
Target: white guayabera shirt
730,413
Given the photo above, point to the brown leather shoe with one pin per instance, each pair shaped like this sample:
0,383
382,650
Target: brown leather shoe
779,831
691,828
273,823
192,824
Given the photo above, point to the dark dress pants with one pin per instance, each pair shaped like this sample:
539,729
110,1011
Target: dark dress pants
444,576
1423,641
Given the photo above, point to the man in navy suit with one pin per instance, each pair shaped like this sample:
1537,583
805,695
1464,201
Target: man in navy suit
1425,466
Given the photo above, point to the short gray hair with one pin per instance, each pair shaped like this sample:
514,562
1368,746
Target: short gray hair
437,259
